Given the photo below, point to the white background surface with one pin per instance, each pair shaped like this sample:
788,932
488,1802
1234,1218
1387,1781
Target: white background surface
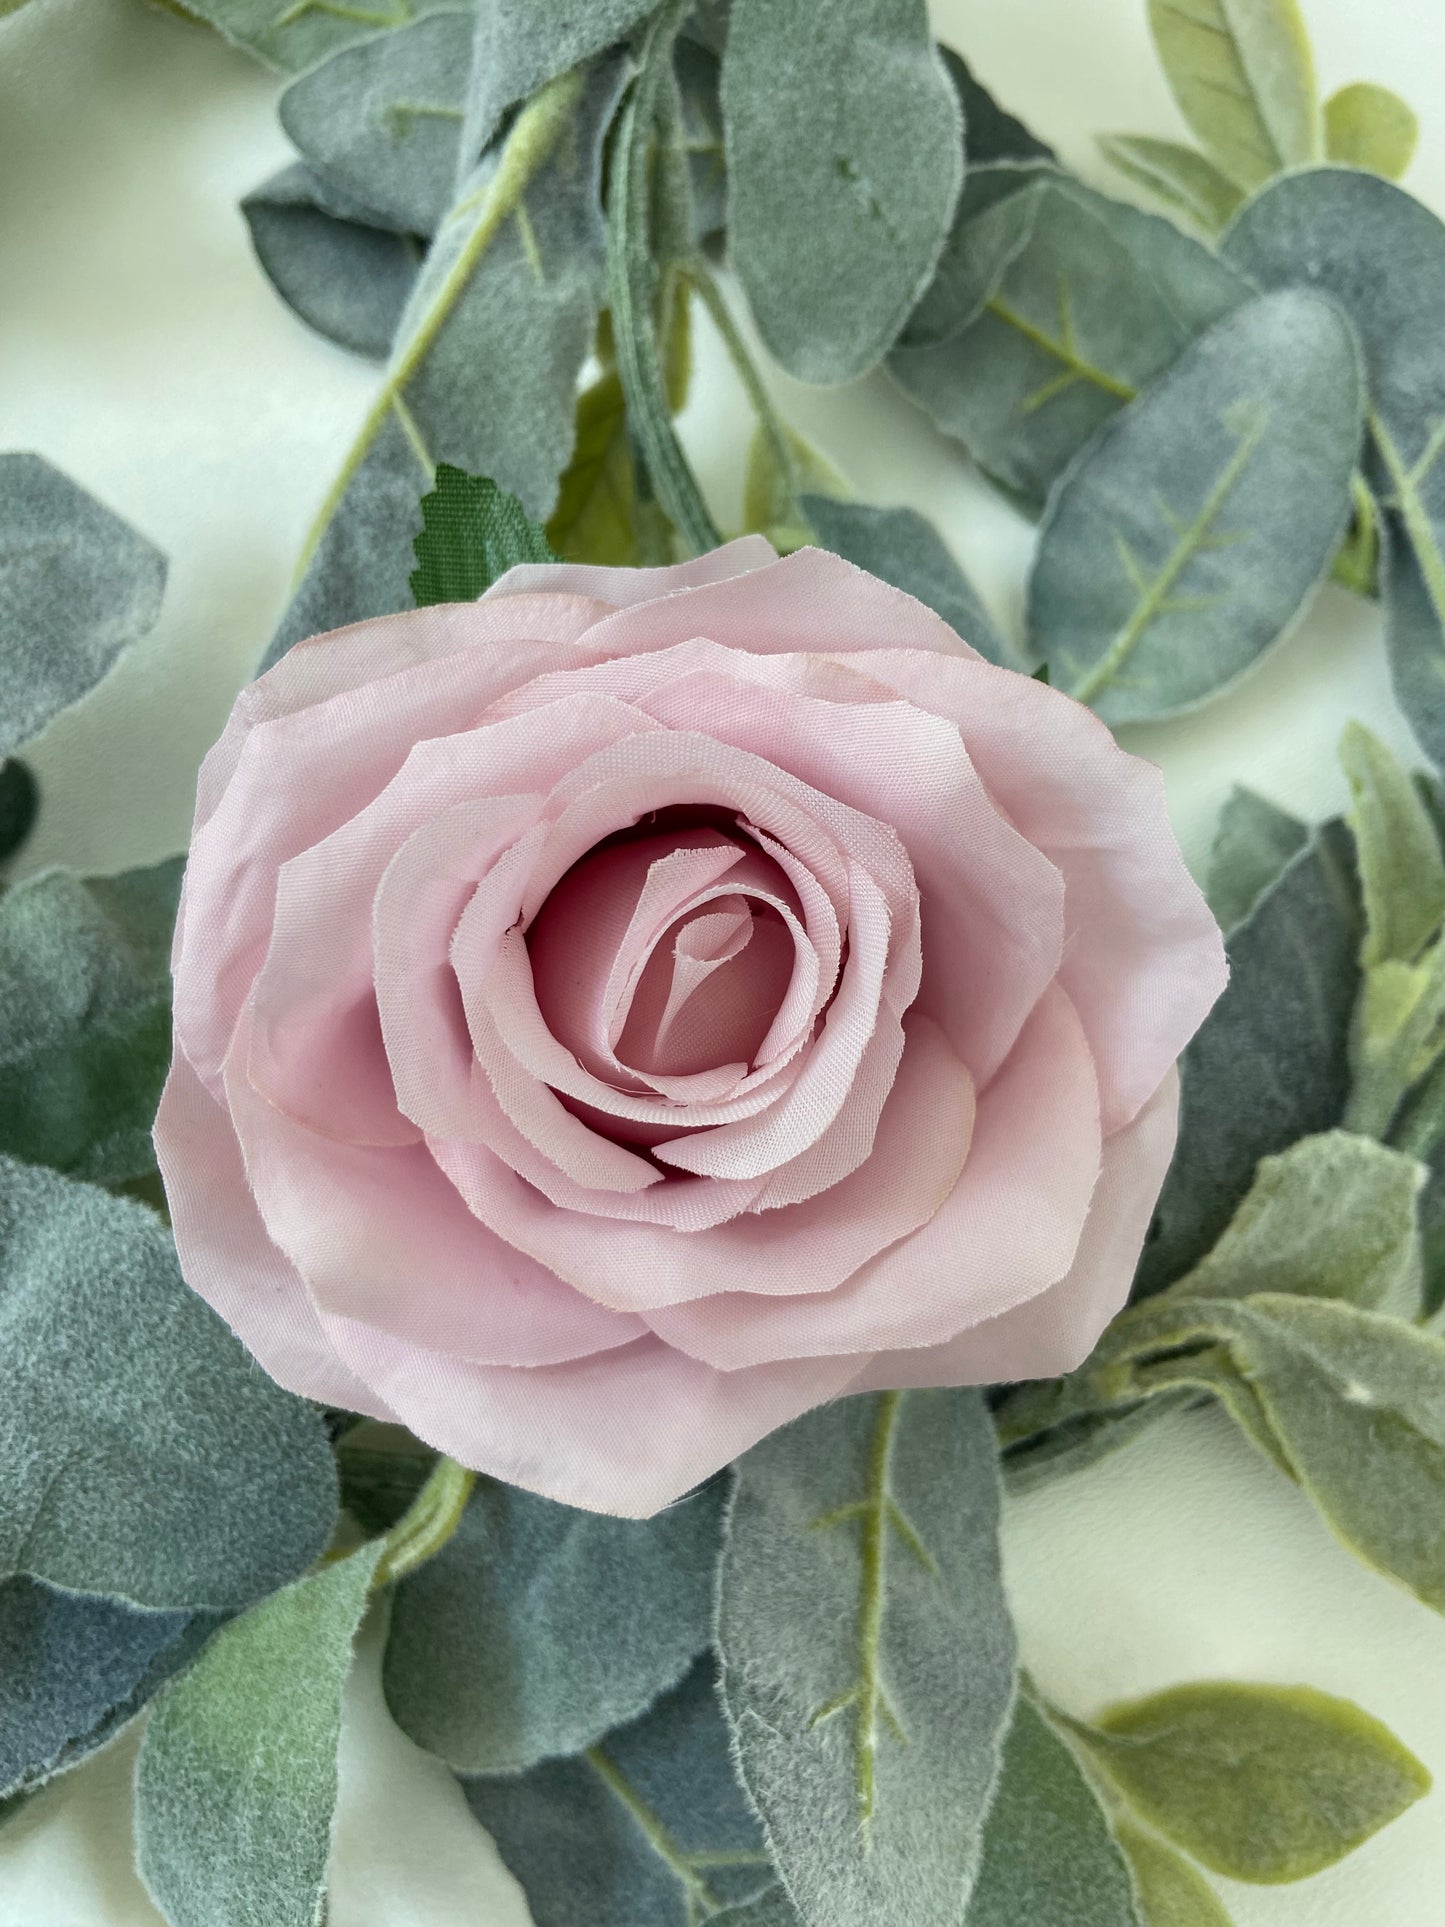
143,352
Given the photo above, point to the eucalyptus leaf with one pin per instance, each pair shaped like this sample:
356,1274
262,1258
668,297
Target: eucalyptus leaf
1191,533
904,548
145,1454
329,260
1048,1856
1066,1436
699,84
538,1628
1270,1063
990,132
771,1908
472,533
1243,75
292,34
483,373
19,805
845,158
1414,637
991,226
1260,1783
77,587
868,1656
1172,1892
1402,873
1254,841
382,119
1369,126
1182,176
650,1825
237,1776
521,45
85,1032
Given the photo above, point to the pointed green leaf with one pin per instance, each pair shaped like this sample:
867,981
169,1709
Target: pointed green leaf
472,532
1261,1783
344,275
236,1781
1367,125
1182,176
845,158
991,226
1048,1856
868,1657
77,587
594,520
1402,873
1253,843
1193,530
650,1825
292,34
1244,78
1414,636
143,1452
19,805
1172,1892
539,1628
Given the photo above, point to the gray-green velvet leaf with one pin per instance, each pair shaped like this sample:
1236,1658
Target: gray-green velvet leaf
1191,532
1414,638
1254,841
868,1655
85,1002
845,158
1182,176
237,1776
484,368
1397,848
1243,75
904,548
329,260
522,44
1049,1859
66,1662
1043,1452
991,224
1099,300
382,119
292,34
990,132
77,587
771,1908
1269,1065
649,1826
539,1628
143,1452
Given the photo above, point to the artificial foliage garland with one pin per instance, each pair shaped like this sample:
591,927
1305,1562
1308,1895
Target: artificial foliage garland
1209,431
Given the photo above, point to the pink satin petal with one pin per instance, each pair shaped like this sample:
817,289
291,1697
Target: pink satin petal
1009,1227
379,1235
811,1248
1056,1331
227,1257
1143,957
623,587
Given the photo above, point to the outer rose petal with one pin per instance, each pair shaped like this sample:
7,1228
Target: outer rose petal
623,587
1057,1330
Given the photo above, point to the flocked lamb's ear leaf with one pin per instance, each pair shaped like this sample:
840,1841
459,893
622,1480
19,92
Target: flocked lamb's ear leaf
1368,126
1260,1783
1222,494
382,119
843,172
1270,1063
472,532
85,1019
539,1628
1254,841
904,548
649,1825
1380,254
991,225
868,1656
329,261
1171,1890
1243,76
290,36
237,1776
77,587
990,132
1180,175
478,305
1402,873
521,45
143,1452
1048,1856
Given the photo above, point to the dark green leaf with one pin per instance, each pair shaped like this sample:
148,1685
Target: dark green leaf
1192,531
845,158
539,1628
19,805
144,1452
1253,843
990,132
867,1651
236,1782
1367,125
991,226
651,1826
1182,176
472,532
1244,78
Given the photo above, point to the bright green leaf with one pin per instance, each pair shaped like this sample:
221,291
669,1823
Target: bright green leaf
594,520
1402,873
1172,1892
472,533
1260,1783
1243,75
236,1782
868,1656
143,1452
1194,529
845,158
992,225
1367,125
1182,176
1252,844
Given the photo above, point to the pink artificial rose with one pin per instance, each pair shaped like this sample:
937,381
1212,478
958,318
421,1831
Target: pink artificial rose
618,1015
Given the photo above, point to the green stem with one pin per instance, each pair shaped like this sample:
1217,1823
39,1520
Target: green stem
427,1524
